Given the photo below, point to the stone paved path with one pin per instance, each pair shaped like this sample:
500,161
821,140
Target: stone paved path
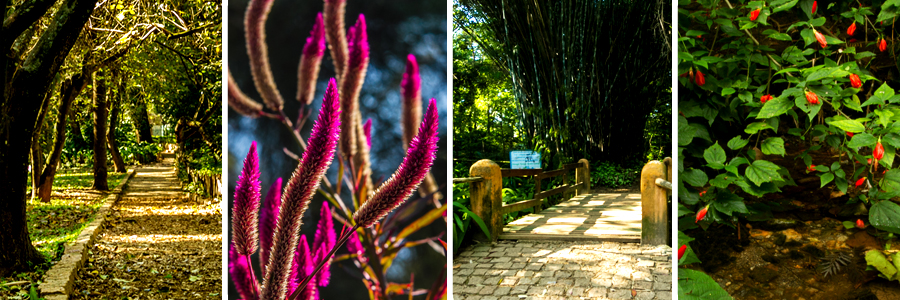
510,270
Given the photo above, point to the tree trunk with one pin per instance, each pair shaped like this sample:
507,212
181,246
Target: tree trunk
68,91
141,119
111,137
100,115
37,152
77,136
22,95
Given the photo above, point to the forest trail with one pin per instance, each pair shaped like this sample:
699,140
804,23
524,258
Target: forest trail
158,243
611,217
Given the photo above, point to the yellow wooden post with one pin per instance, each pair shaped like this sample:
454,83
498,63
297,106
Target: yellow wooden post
583,175
487,198
654,209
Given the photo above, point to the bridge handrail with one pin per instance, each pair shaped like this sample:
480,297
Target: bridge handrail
486,184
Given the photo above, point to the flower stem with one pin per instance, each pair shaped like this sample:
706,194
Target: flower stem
252,277
344,237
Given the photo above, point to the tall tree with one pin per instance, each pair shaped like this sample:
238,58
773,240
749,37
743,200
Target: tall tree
115,104
26,79
586,73
100,114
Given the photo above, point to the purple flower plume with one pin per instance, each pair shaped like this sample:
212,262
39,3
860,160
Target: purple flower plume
334,33
246,205
239,272
299,190
412,170
310,62
412,100
354,246
268,219
351,83
411,82
240,102
302,267
325,239
367,129
255,26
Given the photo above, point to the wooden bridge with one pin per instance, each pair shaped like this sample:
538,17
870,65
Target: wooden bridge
616,217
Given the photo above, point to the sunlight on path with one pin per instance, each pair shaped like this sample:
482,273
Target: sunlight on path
159,244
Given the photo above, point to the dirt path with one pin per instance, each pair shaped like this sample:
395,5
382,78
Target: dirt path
158,244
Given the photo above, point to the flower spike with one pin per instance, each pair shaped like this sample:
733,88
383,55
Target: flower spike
412,100
333,16
268,219
367,130
412,171
246,205
240,102
255,24
299,190
310,62
325,239
354,75
240,275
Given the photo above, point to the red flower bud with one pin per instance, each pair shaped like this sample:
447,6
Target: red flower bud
754,14
878,153
882,45
814,8
702,193
860,181
682,249
859,224
851,29
811,168
701,214
700,80
820,38
765,98
849,134
854,81
812,98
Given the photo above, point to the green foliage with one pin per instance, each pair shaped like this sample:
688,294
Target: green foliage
697,285
887,266
610,174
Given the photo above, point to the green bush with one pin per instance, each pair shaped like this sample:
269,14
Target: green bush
608,174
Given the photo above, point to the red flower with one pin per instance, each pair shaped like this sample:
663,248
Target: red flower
814,8
850,134
754,14
684,247
765,98
851,29
701,213
859,224
812,98
820,38
878,153
854,81
882,45
860,181
702,193
700,80
811,168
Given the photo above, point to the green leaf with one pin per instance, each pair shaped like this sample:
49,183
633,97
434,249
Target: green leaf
775,107
825,179
722,180
773,145
737,143
755,127
853,126
827,73
876,259
817,22
423,221
864,54
715,156
694,177
762,171
685,131
727,91
780,5
780,36
885,215
729,203
696,285
884,92
862,140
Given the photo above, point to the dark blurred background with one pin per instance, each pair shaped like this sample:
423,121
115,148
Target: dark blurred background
395,29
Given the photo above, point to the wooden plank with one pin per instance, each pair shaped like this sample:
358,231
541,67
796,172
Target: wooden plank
467,179
561,189
566,237
508,208
549,174
571,166
519,172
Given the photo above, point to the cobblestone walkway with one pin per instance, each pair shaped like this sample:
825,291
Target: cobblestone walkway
562,270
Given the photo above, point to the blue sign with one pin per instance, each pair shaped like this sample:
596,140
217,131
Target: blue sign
524,159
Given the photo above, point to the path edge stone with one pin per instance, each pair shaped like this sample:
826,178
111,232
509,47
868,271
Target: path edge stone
59,280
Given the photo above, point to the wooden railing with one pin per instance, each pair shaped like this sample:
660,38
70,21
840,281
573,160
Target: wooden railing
486,185
655,191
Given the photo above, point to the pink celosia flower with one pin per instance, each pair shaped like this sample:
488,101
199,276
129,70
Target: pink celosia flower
240,275
333,15
404,181
411,112
310,62
367,130
255,26
303,266
351,83
246,205
268,219
238,101
325,239
300,188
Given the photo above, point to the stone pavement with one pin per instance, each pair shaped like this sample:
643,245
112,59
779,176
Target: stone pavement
510,270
